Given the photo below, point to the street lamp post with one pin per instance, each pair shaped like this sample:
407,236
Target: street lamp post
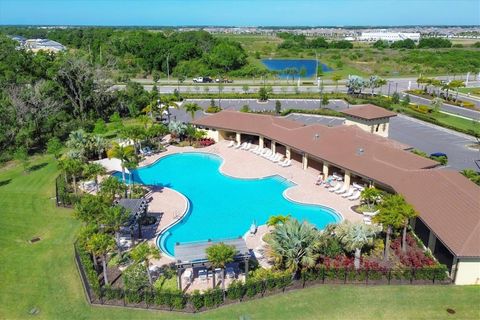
168,68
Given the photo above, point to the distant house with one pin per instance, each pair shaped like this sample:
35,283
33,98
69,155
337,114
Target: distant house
36,45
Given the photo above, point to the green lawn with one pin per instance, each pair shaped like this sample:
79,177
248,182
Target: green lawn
472,91
43,274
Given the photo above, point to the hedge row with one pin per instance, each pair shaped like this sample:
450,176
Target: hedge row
89,269
321,112
429,273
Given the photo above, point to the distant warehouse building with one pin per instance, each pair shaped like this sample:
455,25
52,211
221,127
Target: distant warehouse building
389,36
47,45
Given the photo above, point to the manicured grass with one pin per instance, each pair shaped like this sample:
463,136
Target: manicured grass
43,274
472,91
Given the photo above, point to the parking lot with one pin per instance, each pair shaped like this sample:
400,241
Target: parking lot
420,135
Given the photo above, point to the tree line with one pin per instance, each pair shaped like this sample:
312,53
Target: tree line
143,52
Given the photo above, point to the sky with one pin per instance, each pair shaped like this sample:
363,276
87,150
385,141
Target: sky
240,12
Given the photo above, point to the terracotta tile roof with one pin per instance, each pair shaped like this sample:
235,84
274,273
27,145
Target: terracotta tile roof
447,202
368,112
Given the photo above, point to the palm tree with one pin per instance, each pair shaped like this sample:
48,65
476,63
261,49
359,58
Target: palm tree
192,108
219,255
143,253
77,140
72,167
124,154
392,216
370,196
336,78
111,187
100,244
100,144
166,103
136,134
93,170
114,218
278,219
84,236
355,236
292,245
436,104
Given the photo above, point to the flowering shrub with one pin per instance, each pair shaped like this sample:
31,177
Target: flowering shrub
206,142
414,257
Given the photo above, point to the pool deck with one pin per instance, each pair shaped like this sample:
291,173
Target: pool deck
244,164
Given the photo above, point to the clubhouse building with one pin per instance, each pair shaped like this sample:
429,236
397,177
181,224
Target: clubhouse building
360,152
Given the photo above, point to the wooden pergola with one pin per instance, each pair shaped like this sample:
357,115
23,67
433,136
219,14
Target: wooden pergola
193,254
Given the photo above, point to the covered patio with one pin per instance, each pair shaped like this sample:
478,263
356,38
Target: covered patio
194,269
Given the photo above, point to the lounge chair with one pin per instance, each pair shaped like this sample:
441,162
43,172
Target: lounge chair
243,145
231,144
254,149
355,196
237,145
258,151
247,147
278,158
272,157
349,193
343,190
267,154
287,163
337,187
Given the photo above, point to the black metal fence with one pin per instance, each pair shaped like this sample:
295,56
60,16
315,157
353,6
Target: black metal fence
174,300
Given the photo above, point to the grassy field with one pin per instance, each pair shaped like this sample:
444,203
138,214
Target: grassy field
472,91
43,276
364,60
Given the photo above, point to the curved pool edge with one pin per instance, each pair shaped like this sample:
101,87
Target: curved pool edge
160,239
166,229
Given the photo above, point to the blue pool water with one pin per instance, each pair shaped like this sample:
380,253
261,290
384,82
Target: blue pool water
282,64
222,207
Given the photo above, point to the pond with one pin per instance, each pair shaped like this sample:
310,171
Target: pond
282,65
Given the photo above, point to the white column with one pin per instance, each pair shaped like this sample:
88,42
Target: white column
260,141
346,178
325,169
274,146
288,153
305,161
238,137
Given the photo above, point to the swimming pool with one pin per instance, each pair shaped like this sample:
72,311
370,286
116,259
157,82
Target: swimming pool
220,206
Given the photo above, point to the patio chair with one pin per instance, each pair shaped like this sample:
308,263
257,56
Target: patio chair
254,149
287,163
342,190
349,193
202,274
231,144
337,187
355,196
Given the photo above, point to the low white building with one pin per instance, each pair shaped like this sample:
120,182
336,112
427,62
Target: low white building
389,36
36,45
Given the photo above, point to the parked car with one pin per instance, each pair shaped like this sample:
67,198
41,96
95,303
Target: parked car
223,80
202,80
438,155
